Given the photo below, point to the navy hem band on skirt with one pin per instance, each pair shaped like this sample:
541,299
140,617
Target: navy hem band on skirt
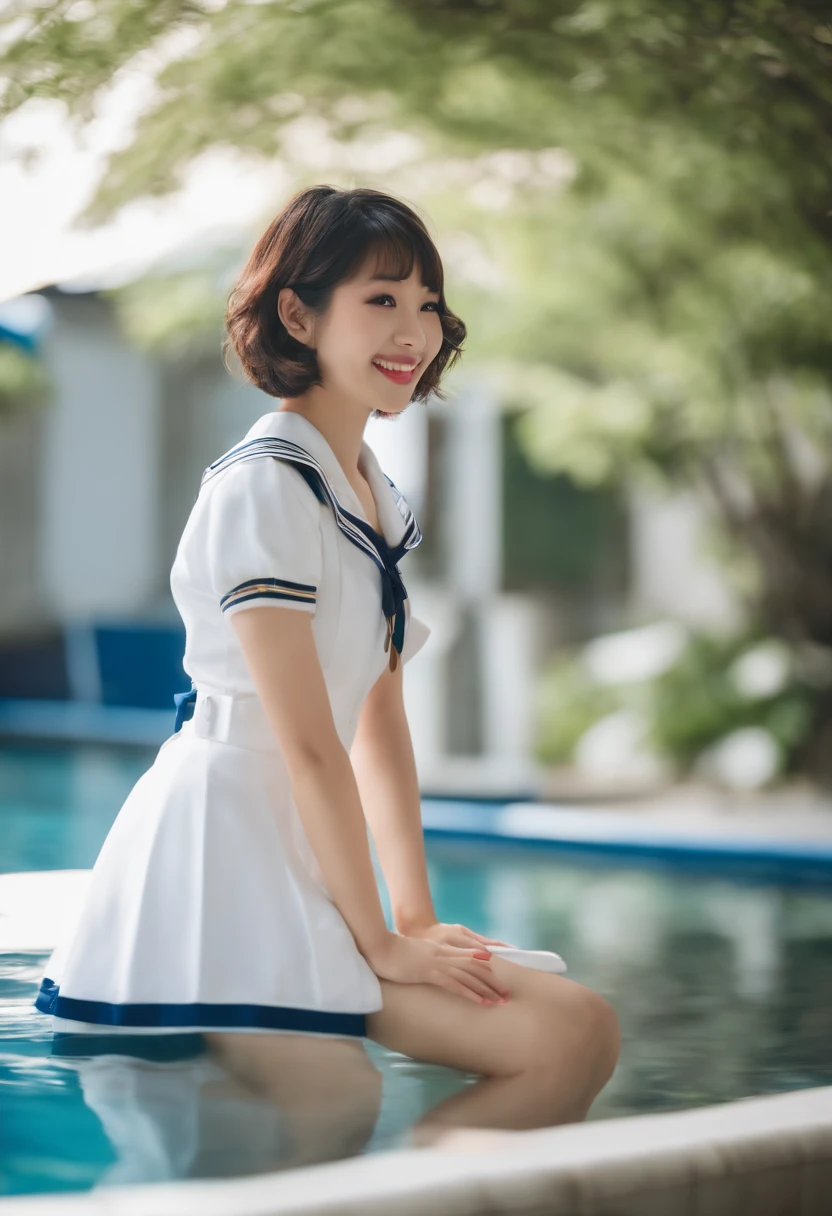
267,1017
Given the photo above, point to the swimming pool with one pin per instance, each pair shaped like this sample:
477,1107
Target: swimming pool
722,984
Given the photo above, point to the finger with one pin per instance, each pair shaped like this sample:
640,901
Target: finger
464,940
453,985
479,986
468,951
492,941
470,935
483,972
481,939
481,959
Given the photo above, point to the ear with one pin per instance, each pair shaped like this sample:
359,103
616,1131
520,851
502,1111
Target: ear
295,316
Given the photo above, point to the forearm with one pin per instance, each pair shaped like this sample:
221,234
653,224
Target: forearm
329,806
280,652
385,770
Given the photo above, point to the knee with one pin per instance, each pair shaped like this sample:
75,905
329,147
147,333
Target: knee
604,1034
587,1027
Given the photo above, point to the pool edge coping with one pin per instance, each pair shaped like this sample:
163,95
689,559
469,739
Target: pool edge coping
567,827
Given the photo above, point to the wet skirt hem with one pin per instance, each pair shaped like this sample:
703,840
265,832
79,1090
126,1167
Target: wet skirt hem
198,1015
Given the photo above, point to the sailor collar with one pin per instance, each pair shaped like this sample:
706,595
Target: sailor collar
287,435
393,512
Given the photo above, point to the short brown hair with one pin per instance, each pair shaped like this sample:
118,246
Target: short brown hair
320,239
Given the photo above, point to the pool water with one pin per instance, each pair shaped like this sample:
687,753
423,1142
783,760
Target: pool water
722,984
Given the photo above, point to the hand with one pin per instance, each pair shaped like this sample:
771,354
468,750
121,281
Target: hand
465,971
452,935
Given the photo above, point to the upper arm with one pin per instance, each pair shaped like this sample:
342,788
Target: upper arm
262,534
264,569
280,653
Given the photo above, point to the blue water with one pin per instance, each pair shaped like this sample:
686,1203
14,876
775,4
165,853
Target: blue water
723,987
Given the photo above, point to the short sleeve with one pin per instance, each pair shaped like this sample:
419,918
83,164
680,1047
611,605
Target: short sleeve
263,537
415,635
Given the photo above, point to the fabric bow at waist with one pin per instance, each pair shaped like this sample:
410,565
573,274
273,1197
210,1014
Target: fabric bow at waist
185,703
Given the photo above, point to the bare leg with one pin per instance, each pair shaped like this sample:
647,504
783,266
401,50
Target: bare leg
328,1089
544,1055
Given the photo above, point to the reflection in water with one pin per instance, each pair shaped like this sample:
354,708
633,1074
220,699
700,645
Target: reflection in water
722,989
186,1119
191,1117
722,985
223,1105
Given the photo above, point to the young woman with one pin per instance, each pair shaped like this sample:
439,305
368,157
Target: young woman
235,891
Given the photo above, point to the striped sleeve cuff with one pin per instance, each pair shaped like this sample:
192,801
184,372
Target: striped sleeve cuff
280,591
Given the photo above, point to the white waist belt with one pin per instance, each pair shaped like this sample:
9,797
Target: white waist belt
238,719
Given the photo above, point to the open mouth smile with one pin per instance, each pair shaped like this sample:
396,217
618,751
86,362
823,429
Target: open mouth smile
399,373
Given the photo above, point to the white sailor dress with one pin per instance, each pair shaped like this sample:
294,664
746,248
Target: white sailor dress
206,907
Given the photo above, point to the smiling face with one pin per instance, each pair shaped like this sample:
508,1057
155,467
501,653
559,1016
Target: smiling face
372,321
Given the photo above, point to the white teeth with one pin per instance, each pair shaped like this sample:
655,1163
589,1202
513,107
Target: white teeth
393,367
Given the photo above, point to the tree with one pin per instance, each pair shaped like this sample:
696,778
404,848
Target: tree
663,313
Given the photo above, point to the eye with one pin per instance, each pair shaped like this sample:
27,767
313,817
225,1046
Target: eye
433,303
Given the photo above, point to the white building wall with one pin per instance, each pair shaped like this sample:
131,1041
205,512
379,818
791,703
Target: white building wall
21,607
99,516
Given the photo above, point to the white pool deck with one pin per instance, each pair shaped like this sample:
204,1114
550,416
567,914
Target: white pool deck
769,1156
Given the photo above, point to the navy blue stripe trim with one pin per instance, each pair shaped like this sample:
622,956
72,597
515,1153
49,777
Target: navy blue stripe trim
269,1017
270,582
268,595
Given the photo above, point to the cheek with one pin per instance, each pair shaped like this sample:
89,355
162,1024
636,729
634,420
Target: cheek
368,334
349,346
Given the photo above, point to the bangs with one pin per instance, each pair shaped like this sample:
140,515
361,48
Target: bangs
393,254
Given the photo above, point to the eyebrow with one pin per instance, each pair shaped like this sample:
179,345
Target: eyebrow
380,278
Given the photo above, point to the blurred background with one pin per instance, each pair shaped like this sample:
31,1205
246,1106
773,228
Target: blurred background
626,500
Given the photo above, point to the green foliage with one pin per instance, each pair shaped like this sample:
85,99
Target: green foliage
709,691
568,702
557,535
645,188
647,309
23,379
700,699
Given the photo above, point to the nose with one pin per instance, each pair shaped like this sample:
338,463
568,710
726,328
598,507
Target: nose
412,334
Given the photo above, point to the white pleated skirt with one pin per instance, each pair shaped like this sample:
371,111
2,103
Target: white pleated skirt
206,908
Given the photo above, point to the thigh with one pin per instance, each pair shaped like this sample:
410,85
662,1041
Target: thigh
296,1067
546,1016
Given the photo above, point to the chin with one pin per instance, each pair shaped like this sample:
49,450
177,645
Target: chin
385,414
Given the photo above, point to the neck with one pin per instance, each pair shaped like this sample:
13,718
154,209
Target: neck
342,426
